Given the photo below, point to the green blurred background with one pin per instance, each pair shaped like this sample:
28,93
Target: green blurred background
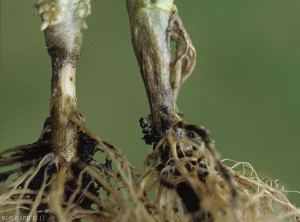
245,88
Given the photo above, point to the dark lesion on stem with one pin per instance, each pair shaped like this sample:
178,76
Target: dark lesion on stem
64,50
151,37
152,31
151,44
63,130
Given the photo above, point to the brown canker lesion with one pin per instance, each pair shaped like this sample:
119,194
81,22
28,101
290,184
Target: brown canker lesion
152,31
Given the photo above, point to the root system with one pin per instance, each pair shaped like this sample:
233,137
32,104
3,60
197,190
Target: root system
58,177
177,184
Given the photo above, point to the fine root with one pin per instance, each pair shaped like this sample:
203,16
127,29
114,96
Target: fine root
180,70
188,183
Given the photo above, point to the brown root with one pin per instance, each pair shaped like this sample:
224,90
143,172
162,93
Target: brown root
192,184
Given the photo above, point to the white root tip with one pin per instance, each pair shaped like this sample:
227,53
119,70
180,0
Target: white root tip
53,12
85,25
45,25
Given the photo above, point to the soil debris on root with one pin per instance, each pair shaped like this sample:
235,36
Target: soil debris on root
183,180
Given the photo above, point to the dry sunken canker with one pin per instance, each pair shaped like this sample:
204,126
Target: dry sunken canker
149,21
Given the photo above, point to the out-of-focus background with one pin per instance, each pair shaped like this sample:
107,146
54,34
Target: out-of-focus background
245,88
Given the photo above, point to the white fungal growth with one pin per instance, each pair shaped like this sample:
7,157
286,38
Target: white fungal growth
54,12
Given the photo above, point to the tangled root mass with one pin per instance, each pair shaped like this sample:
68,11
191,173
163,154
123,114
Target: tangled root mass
183,180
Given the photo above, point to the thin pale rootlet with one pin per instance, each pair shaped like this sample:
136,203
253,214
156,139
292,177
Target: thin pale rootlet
115,191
